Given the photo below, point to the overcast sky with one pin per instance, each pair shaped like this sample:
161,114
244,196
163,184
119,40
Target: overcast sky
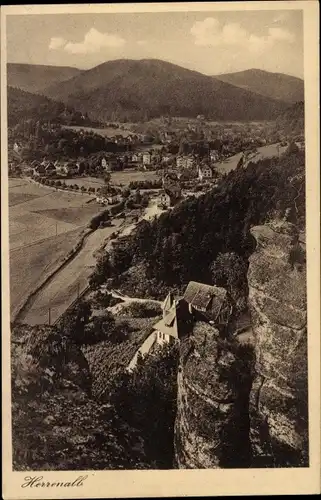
209,42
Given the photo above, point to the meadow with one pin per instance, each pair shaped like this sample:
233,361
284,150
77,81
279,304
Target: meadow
30,265
42,212
126,176
123,178
44,226
105,132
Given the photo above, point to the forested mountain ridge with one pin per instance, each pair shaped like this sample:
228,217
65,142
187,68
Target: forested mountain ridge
291,121
137,90
36,77
274,85
24,105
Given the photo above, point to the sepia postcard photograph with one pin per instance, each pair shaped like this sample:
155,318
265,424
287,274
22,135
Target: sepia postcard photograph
160,249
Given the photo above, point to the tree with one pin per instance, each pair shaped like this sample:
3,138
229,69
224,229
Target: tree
229,270
183,147
105,190
102,270
292,148
147,400
107,177
125,192
100,328
51,396
74,321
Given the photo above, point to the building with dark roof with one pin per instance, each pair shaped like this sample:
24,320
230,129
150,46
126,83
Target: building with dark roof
200,302
211,301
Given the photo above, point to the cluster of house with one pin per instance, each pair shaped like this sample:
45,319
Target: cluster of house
48,168
144,159
109,199
205,169
200,302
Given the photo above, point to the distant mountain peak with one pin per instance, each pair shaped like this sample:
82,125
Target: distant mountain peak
274,85
36,77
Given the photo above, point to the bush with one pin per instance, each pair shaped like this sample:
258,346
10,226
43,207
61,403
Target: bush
103,300
98,219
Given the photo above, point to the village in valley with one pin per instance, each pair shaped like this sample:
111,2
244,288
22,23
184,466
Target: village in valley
174,164
148,175
143,201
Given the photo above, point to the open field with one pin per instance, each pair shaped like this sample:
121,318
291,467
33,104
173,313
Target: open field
17,198
123,177
29,266
44,225
73,215
34,216
127,176
61,291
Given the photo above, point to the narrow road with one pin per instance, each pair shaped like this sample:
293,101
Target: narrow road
62,290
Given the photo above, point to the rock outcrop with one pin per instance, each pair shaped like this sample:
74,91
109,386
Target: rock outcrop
246,405
211,428
277,301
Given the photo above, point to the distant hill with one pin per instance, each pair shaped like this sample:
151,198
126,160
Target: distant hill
274,85
291,121
25,105
139,90
34,77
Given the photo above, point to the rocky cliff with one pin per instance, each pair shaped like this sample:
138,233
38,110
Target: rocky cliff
213,389
277,300
246,405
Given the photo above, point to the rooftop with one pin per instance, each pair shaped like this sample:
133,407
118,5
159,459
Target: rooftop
205,297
